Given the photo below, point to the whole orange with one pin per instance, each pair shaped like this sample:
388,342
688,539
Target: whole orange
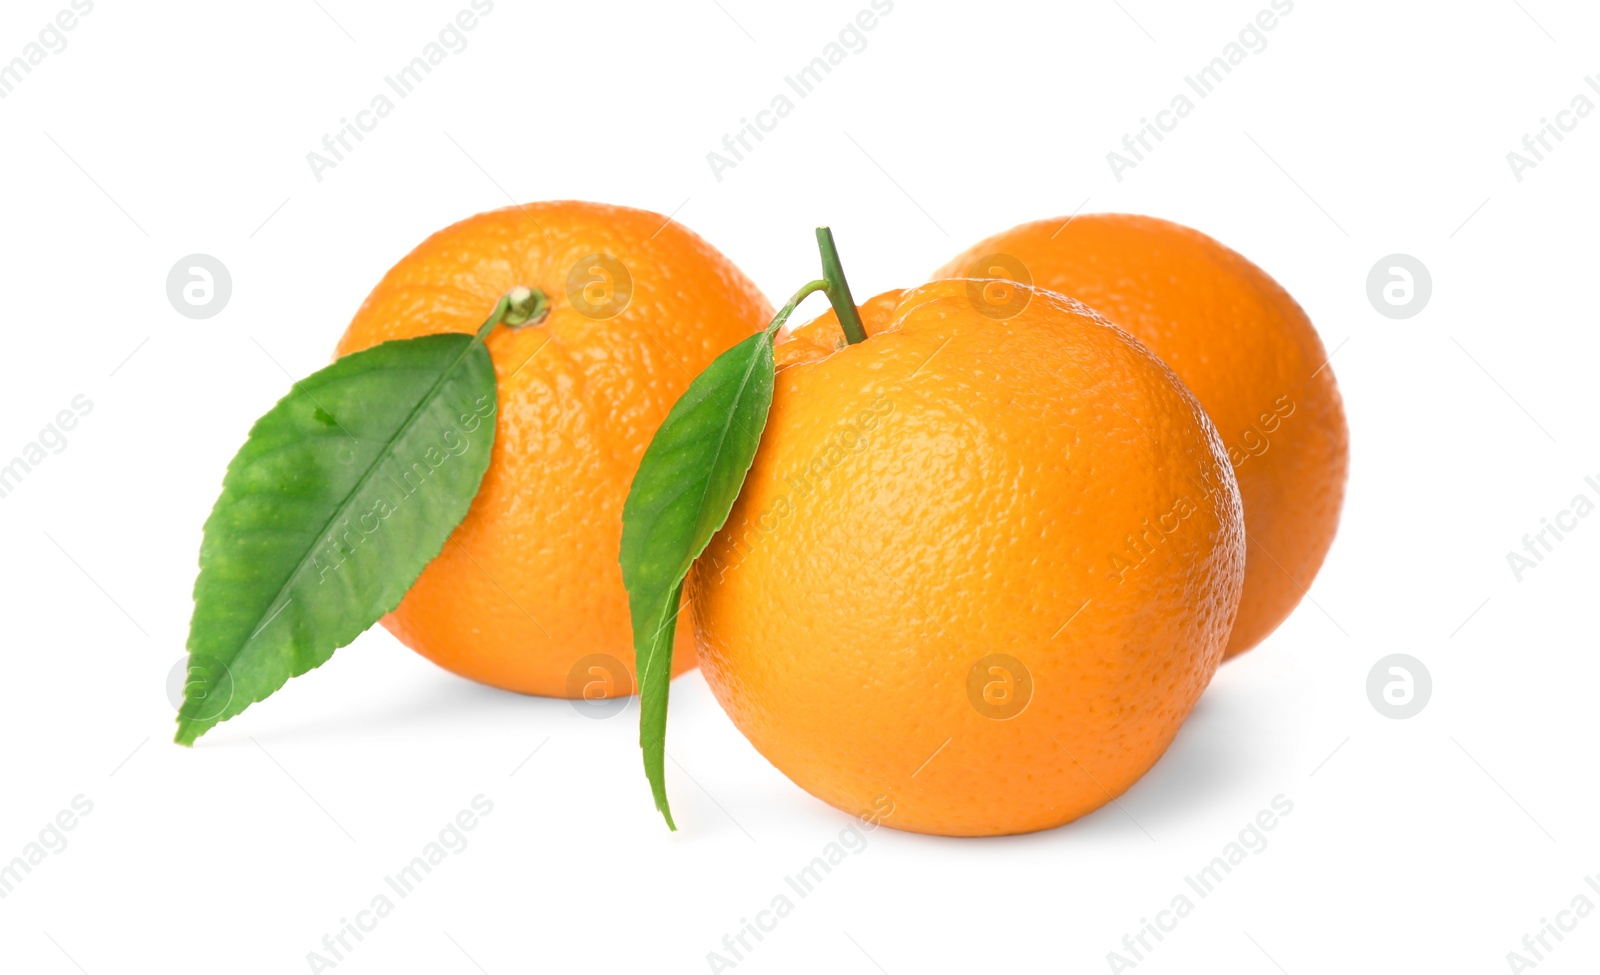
1242,345
527,594
980,570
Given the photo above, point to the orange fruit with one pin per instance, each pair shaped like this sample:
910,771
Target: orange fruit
528,587
1246,350
980,570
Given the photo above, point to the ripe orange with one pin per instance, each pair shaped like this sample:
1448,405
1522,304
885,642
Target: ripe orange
528,585
980,570
1246,350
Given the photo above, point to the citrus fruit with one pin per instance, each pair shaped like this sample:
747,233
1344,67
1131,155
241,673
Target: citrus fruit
527,594
1243,347
980,570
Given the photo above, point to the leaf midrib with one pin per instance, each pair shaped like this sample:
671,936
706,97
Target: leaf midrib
344,503
722,440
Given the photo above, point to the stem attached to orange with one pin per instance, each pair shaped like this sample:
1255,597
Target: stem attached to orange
838,289
524,306
811,288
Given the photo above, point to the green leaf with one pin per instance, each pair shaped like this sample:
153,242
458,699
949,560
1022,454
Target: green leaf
685,486
339,498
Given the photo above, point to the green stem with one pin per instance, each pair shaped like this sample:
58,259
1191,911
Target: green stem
521,306
838,289
516,308
810,289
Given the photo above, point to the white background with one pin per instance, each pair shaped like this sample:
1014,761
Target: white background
1362,129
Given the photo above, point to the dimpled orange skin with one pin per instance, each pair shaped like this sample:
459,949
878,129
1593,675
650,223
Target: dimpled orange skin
955,487
1249,354
529,583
